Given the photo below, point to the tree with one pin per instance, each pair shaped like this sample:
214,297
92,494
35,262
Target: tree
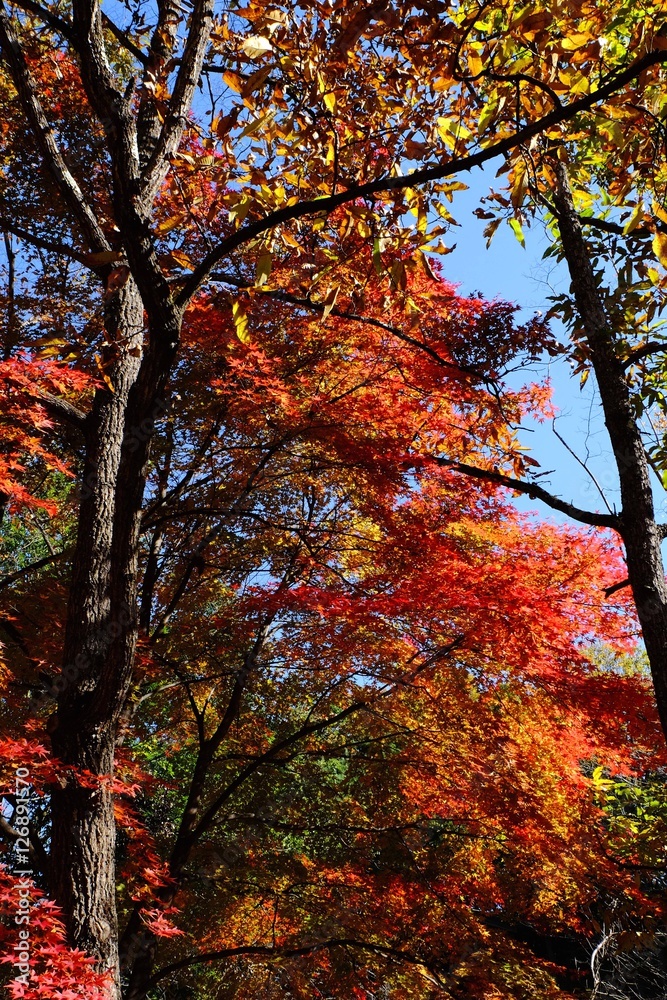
612,328
343,640
134,198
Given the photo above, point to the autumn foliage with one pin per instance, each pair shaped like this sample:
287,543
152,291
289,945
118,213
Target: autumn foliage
303,704
408,779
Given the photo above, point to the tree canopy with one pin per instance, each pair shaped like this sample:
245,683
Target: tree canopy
308,707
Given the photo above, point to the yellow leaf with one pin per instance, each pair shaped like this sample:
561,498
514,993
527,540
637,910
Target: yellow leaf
576,41
634,219
238,212
170,223
263,269
398,275
330,101
233,81
581,86
256,80
445,214
612,131
488,114
277,16
103,257
330,302
241,322
441,248
441,83
660,247
426,264
475,64
182,259
289,240
100,366
255,125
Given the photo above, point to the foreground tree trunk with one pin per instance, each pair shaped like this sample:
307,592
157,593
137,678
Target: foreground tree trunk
83,839
102,626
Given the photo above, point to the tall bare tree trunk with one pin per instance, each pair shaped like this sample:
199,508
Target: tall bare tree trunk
637,524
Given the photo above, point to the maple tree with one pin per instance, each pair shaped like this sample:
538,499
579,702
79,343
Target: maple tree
413,668
222,323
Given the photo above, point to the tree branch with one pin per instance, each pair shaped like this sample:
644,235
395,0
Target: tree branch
43,133
534,491
652,347
194,831
63,249
181,99
64,410
421,824
307,730
161,51
36,851
324,206
615,587
606,226
121,37
186,833
321,308
111,105
637,522
52,20
314,727
261,951
7,581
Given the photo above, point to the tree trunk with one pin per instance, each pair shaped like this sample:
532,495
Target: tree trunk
638,528
84,837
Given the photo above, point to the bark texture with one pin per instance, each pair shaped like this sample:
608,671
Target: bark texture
83,839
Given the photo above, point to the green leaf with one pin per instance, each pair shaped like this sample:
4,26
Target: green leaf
377,258
515,226
488,114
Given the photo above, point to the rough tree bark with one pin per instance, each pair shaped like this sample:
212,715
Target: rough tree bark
83,838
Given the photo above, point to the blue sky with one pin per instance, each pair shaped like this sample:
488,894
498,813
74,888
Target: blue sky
520,275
